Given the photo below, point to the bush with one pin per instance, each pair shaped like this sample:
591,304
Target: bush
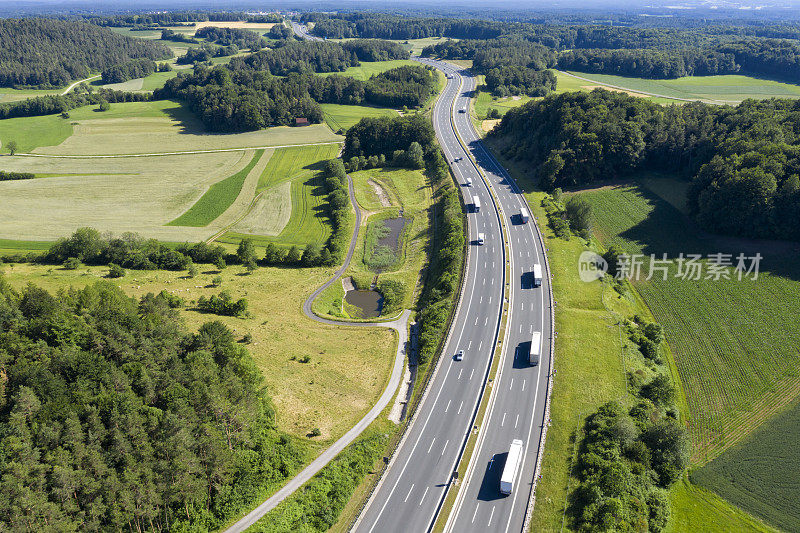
393,292
115,271
222,305
659,390
73,263
216,281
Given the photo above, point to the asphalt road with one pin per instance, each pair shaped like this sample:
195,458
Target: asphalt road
301,31
412,489
518,407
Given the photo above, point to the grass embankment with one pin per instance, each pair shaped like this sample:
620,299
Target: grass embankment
291,209
592,356
217,198
348,367
736,343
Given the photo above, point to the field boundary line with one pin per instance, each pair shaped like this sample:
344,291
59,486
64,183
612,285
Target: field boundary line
184,152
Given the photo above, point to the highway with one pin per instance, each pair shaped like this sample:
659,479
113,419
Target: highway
410,494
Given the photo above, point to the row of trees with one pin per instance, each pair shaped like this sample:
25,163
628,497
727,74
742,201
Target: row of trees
384,26
646,63
205,52
180,18
57,103
8,176
742,160
515,80
177,36
114,417
50,53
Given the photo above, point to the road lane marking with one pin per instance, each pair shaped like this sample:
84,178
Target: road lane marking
445,446
448,405
470,374
470,344
474,515
431,446
502,422
523,385
476,321
423,495
511,385
459,373
515,421
490,517
480,345
459,407
409,493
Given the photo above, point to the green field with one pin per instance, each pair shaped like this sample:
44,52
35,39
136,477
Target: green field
367,69
341,117
729,89
290,209
591,362
217,199
735,343
760,473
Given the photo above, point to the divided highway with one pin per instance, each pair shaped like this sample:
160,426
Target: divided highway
411,492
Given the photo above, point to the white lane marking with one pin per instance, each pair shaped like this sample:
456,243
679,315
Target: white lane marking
459,407
445,446
409,493
515,421
490,517
490,300
522,306
529,254
431,446
523,385
511,385
448,405
459,373
484,264
423,495
492,281
480,345
486,321
502,422
474,515
481,300
484,281
470,344
476,321
470,374
520,328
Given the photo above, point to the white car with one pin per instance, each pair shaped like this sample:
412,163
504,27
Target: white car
459,355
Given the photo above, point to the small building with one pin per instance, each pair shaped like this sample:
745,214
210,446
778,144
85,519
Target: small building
301,121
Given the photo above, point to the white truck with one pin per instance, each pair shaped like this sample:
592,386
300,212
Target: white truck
524,216
468,181
481,238
536,348
510,469
476,204
537,275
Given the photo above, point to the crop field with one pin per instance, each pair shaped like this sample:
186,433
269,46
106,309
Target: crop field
760,474
8,94
347,368
290,209
218,198
341,117
142,127
368,69
735,343
729,89
138,194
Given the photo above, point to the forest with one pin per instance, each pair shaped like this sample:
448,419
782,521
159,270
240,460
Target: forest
241,38
137,68
742,161
176,18
113,417
241,98
57,103
47,53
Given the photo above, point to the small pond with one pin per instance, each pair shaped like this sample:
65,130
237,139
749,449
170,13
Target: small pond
391,239
368,303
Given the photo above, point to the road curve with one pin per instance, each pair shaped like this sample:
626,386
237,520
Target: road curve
400,325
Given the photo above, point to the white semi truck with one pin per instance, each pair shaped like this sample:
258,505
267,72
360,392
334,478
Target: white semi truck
476,204
512,466
536,348
524,216
537,275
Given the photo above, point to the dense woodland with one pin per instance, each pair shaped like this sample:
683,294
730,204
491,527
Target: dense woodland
50,53
240,97
114,418
175,18
138,68
743,161
238,37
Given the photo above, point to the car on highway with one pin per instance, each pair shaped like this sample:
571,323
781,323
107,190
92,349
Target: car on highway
462,110
481,238
459,355
457,159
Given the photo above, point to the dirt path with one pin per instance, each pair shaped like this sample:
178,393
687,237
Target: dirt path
68,89
380,193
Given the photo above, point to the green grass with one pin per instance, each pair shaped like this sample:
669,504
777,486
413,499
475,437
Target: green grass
32,132
217,198
728,88
342,117
8,94
760,474
736,343
295,162
9,246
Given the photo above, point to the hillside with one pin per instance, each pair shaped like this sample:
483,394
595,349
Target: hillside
51,53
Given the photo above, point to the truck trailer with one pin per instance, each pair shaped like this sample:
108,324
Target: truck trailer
524,216
512,466
537,275
536,348
476,204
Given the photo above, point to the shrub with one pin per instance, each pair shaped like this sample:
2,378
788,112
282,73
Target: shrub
216,281
115,271
73,263
659,390
222,305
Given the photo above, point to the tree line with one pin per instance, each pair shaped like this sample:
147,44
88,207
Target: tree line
137,68
176,36
385,26
48,53
204,52
177,18
741,160
114,417
9,176
57,103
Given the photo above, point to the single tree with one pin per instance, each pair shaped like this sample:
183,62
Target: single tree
12,147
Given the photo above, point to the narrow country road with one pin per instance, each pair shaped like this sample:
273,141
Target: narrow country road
400,325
